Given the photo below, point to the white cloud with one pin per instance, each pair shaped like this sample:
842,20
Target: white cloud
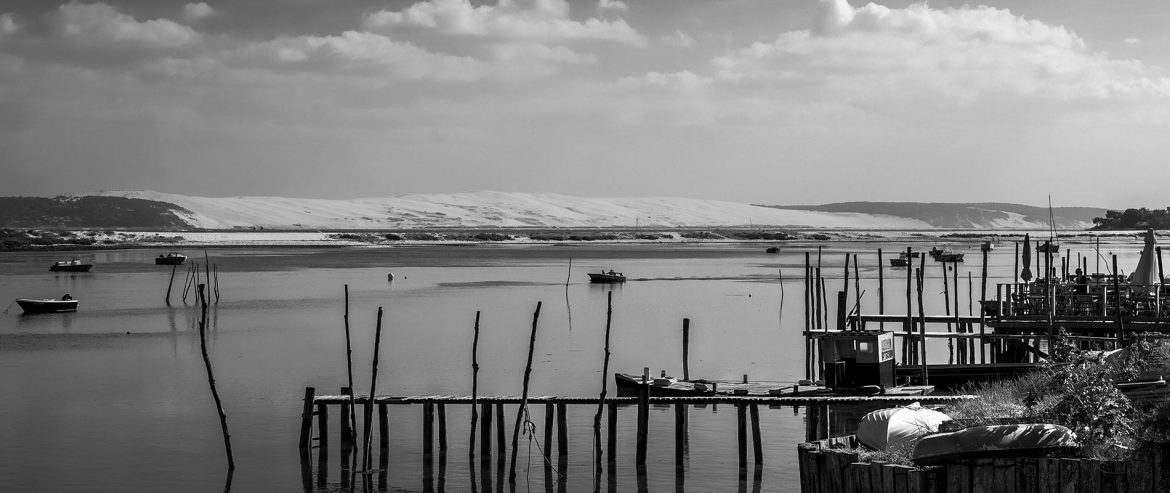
361,53
612,6
542,20
1132,41
954,56
678,81
8,24
98,24
197,11
678,39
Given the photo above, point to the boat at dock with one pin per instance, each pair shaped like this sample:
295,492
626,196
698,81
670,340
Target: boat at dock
610,277
48,305
942,255
1020,440
75,265
171,258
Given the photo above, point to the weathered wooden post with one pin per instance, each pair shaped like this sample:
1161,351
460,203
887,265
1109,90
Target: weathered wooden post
845,283
171,283
351,416
741,433
808,295
757,446
611,433
881,290
367,430
227,438
485,434
958,324
307,418
605,378
857,290
922,327
474,387
908,346
347,429
643,416
686,347
947,308
524,395
428,430
982,310
1117,297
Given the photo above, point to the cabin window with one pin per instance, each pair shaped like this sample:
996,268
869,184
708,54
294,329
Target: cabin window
864,347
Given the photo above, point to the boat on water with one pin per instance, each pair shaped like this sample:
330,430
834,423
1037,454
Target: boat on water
75,265
772,250
171,258
903,260
857,363
1047,247
48,305
610,277
945,255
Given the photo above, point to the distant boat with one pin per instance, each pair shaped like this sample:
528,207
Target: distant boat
1047,247
74,265
172,258
48,305
610,277
772,250
949,257
904,260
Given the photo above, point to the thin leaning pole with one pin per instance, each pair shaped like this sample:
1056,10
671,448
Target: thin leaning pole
524,394
367,430
604,381
474,387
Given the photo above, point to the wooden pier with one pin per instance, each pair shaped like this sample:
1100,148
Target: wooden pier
435,439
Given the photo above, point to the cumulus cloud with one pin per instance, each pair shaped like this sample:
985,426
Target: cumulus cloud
612,6
360,52
678,81
542,20
1132,41
8,24
678,39
956,55
197,11
99,24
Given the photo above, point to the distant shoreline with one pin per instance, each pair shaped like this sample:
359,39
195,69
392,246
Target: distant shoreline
50,240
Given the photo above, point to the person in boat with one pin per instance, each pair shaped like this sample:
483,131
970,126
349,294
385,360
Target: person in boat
67,297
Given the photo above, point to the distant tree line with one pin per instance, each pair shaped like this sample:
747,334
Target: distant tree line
1134,219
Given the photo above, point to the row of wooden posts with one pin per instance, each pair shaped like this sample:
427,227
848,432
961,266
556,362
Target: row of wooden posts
816,312
191,279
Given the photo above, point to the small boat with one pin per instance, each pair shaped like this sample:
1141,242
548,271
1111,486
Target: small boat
1021,440
171,258
610,277
899,262
987,246
772,250
1047,247
48,305
949,257
74,265
898,427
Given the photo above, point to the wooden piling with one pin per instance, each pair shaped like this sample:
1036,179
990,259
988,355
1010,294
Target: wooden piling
605,376
611,433
680,432
307,418
562,430
428,429
351,416
857,290
881,288
474,387
741,433
441,410
1161,275
807,316
227,439
322,428
215,282
383,430
485,433
922,327
643,417
982,311
908,345
187,281
171,283
501,439
373,391
524,394
845,282
1117,299
757,445
686,347
347,428
947,309
550,415
958,323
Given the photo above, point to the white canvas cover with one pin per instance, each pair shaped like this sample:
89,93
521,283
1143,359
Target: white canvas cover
1146,272
895,427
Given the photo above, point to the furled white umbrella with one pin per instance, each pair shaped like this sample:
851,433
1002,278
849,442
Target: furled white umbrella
896,427
1146,272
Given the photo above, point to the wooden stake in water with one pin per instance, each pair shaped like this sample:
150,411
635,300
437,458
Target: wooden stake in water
349,371
474,386
171,283
524,394
369,407
227,438
604,381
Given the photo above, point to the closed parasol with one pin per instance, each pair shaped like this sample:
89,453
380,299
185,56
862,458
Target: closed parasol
1146,272
896,427
1026,274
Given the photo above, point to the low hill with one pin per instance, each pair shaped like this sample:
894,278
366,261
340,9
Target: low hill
90,212
985,215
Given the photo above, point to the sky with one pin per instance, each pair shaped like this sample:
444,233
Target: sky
755,101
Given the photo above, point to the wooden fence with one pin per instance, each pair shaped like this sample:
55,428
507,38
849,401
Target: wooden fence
831,466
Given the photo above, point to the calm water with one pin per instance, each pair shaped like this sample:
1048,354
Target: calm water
114,397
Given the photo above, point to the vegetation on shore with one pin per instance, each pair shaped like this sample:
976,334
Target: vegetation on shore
33,239
1133,219
578,235
1077,389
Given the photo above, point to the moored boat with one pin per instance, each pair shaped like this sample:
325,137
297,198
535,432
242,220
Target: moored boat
48,305
772,250
75,265
171,258
610,277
